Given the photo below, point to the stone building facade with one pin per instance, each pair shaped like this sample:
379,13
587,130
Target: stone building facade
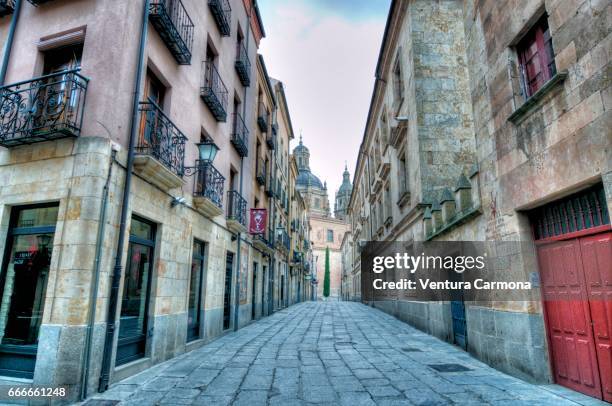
490,121
327,232
188,269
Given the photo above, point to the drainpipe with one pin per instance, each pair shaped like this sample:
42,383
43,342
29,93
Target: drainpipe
237,298
96,284
9,41
117,270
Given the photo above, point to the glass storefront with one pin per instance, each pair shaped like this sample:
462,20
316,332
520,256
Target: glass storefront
23,282
136,292
195,292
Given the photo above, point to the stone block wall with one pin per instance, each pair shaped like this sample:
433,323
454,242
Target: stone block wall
73,172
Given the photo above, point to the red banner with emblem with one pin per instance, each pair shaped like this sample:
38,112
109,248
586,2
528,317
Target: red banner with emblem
258,221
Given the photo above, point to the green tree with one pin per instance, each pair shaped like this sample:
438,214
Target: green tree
326,278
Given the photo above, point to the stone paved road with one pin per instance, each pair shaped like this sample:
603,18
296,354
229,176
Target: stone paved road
336,353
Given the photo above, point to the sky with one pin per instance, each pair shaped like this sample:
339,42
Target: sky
325,53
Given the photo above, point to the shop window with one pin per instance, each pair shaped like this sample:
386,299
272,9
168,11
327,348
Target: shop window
24,283
136,291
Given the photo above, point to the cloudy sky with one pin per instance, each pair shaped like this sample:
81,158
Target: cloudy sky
325,53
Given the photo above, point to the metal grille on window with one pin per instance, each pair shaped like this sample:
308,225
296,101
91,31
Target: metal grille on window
584,210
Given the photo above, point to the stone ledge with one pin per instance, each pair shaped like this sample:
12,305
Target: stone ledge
156,172
521,112
207,207
236,226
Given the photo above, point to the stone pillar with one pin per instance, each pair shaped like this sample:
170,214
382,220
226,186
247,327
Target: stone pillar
436,213
448,206
463,193
427,223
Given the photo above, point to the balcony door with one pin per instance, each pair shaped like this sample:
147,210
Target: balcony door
136,291
154,92
23,284
57,98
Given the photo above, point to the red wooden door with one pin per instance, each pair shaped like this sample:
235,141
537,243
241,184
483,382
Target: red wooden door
597,262
568,317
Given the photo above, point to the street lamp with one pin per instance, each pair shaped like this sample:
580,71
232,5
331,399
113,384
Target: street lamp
43,240
207,151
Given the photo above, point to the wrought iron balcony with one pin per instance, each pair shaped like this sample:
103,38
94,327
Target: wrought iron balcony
214,92
174,26
6,7
270,187
261,171
45,108
236,208
222,13
282,239
160,138
208,188
271,141
242,64
262,117
262,243
297,256
240,136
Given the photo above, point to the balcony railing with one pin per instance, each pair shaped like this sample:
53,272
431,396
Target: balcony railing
209,183
214,92
271,141
236,207
240,136
261,171
283,238
242,64
222,13
269,186
160,138
297,256
174,26
6,7
45,108
262,117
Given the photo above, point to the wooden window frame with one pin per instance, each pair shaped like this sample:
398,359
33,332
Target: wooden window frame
543,55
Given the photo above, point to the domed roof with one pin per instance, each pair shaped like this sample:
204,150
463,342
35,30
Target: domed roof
307,178
344,188
301,148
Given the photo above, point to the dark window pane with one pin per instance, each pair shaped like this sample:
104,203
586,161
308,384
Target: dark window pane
24,288
133,305
140,229
37,217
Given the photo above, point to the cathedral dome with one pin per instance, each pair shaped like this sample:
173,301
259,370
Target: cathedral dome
307,178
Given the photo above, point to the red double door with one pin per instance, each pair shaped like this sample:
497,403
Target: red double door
576,279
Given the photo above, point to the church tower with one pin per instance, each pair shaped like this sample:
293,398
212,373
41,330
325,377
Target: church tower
343,195
309,185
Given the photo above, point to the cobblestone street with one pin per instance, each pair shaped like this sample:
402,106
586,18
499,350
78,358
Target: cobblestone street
330,353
